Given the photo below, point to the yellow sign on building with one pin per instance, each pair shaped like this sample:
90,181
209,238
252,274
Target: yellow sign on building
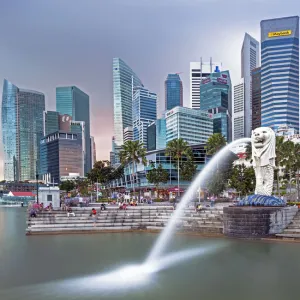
279,33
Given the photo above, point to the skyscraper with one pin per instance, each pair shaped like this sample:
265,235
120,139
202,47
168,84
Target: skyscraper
143,113
156,135
216,99
51,122
250,61
198,71
22,129
75,103
239,111
93,151
61,154
194,126
173,91
128,134
280,72
256,98
124,79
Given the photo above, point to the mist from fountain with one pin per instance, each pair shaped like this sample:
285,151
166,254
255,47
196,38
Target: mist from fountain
165,236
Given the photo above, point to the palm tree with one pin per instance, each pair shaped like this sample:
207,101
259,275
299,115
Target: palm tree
178,148
133,152
214,143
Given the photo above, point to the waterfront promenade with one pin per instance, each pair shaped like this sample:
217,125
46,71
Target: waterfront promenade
149,217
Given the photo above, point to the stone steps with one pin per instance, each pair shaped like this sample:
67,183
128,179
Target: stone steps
151,218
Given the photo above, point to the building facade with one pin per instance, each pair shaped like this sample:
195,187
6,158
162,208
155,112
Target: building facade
51,122
198,71
280,72
60,155
250,61
256,98
194,126
128,134
75,103
124,79
22,128
173,91
156,135
238,111
143,113
93,151
216,99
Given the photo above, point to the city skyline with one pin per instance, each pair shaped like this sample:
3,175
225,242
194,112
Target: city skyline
86,61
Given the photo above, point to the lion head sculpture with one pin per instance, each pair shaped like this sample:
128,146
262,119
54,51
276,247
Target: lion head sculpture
263,147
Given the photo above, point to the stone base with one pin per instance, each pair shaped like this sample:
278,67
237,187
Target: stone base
261,200
256,222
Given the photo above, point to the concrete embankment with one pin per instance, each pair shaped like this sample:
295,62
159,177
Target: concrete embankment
141,218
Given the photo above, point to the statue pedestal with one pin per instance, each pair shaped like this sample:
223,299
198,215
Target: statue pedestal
256,222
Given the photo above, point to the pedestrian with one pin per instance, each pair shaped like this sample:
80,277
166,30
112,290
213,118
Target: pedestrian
94,215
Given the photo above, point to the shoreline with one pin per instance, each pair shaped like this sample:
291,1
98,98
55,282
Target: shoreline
187,233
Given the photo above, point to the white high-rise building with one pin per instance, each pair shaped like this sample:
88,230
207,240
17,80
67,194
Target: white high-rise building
128,134
198,71
238,128
250,61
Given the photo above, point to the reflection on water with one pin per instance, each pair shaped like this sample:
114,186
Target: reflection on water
63,267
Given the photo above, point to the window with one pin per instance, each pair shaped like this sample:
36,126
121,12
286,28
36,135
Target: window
49,198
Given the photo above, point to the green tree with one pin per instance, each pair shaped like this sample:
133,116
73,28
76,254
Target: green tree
157,175
216,184
288,160
297,167
242,179
215,143
82,185
178,149
280,154
101,172
67,185
188,169
133,152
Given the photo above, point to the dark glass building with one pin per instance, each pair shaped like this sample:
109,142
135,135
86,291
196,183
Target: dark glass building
151,137
173,91
51,122
216,99
60,155
75,103
22,129
256,98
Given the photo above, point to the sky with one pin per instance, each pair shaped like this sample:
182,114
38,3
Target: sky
50,43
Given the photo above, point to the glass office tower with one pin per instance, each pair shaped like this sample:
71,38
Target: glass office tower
51,122
143,113
124,79
75,103
9,130
216,99
173,91
280,72
22,129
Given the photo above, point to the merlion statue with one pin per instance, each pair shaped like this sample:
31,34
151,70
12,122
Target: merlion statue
263,156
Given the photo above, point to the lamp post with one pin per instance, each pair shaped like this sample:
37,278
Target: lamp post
37,187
